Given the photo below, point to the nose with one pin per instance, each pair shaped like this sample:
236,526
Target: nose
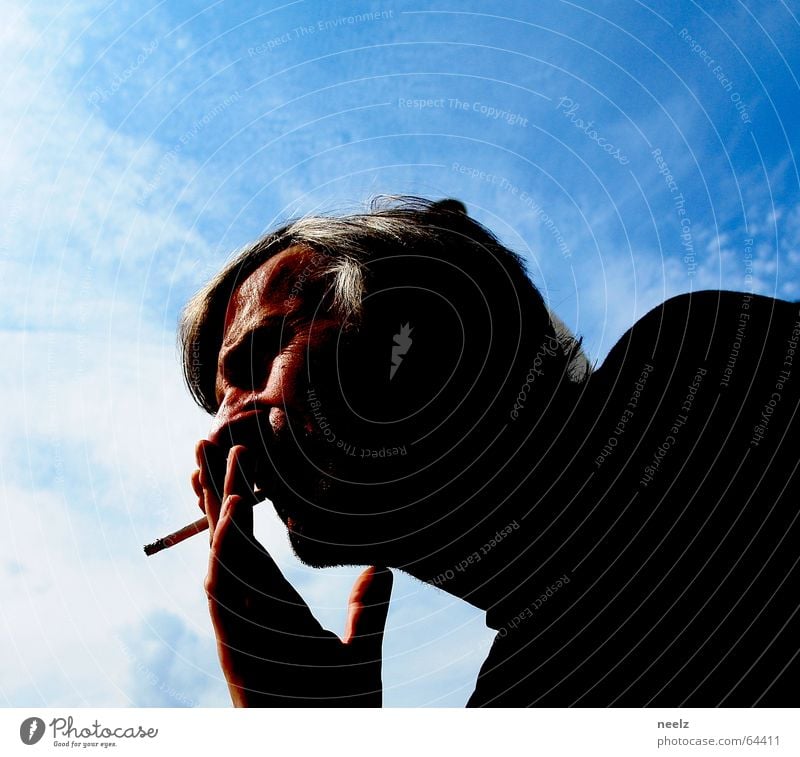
234,408
246,401
248,409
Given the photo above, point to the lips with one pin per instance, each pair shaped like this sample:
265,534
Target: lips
242,427
275,465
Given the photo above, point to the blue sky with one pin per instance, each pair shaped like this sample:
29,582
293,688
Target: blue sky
629,150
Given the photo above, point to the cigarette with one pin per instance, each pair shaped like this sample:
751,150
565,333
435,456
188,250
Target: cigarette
200,525
165,542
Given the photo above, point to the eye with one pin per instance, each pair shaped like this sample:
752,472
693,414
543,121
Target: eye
247,366
268,341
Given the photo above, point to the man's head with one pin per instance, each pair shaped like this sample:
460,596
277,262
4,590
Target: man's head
371,363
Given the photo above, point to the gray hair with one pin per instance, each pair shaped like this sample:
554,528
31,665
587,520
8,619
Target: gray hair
347,244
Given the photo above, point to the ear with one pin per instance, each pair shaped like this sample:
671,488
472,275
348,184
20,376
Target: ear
449,206
409,346
402,372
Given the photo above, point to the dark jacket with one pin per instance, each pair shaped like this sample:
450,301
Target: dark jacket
669,573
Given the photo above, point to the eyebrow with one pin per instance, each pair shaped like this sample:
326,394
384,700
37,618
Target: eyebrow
267,325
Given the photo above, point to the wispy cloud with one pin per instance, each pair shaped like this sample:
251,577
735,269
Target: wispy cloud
141,147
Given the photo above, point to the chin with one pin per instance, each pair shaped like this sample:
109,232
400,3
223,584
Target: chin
318,537
310,543
317,554
318,547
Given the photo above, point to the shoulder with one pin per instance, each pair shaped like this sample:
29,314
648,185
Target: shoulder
704,326
719,353
716,307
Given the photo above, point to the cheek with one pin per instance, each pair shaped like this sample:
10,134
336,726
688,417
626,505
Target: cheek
287,378
287,389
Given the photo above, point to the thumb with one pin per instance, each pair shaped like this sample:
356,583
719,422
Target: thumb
367,609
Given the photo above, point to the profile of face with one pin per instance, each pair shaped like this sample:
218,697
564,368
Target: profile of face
292,388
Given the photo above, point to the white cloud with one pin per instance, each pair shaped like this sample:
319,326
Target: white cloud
98,433
97,437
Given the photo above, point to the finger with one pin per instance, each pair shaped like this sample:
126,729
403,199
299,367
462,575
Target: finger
367,609
235,555
233,564
239,474
198,490
211,461
243,575
226,546
196,485
236,522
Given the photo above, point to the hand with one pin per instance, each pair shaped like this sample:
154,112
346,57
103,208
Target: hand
272,650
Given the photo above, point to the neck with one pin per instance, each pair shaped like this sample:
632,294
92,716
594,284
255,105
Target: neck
531,504
523,548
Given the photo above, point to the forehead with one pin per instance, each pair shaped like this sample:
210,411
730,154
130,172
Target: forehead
276,287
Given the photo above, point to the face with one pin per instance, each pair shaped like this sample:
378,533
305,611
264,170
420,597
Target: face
277,357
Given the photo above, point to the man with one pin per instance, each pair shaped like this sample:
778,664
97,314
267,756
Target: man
395,385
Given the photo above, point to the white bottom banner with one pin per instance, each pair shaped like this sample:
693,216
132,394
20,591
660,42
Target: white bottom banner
353,733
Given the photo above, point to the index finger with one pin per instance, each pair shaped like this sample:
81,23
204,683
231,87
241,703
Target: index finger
211,460
246,578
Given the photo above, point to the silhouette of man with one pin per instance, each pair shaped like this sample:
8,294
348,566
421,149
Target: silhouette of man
395,385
